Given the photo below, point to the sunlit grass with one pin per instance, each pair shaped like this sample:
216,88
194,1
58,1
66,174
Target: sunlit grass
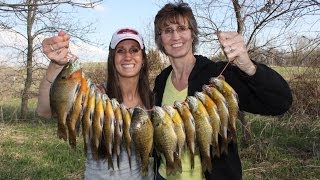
33,151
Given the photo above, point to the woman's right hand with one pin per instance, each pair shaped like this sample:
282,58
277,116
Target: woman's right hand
56,48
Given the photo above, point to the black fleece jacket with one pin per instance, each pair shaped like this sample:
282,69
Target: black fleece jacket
264,93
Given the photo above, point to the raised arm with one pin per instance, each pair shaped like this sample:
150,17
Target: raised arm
56,49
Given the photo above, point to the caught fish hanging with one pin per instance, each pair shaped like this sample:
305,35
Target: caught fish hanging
109,128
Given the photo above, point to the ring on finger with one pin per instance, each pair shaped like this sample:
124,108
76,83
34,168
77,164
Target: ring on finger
230,49
51,47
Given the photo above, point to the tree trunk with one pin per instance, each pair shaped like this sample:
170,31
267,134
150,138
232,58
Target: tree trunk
29,65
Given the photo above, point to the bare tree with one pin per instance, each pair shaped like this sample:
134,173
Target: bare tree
30,21
264,23
268,26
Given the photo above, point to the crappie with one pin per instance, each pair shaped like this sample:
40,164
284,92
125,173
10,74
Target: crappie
142,136
223,111
165,140
108,129
189,127
126,130
203,131
118,129
232,99
63,92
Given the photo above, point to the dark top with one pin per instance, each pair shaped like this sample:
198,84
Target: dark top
265,93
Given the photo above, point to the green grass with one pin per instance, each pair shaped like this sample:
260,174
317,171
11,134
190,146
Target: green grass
282,149
33,151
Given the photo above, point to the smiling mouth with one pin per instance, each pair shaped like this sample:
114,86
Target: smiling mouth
177,45
128,66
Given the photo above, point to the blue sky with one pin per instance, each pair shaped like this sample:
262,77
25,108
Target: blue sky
111,15
114,14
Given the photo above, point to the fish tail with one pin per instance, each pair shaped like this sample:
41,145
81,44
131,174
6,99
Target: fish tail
224,147
177,163
206,164
144,169
215,145
85,148
192,159
216,150
72,135
78,124
110,163
118,161
233,136
72,139
95,153
129,157
62,132
170,168
191,149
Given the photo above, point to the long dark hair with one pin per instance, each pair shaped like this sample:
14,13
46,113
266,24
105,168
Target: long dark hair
113,84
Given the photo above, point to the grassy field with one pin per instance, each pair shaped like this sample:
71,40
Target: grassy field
281,148
32,151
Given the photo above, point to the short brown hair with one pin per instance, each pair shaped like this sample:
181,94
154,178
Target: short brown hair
172,13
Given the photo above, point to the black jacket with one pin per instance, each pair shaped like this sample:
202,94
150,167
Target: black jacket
265,93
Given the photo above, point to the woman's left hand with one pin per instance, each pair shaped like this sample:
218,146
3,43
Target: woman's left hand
236,51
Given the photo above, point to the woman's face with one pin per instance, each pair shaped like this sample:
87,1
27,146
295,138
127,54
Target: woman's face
128,58
177,39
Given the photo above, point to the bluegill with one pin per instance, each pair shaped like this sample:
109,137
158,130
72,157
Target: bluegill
142,136
63,92
126,130
189,127
118,129
87,117
212,110
166,140
223,111
108,128
178,126
232,100
203,131
97,125
76,113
